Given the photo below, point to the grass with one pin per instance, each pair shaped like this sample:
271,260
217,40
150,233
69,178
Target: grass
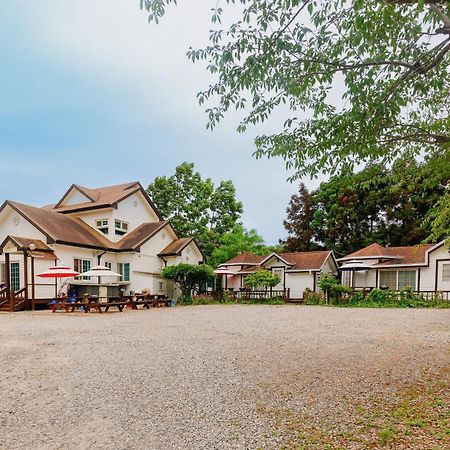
418,419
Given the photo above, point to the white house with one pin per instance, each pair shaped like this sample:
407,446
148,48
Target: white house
297,271
117,226
422,268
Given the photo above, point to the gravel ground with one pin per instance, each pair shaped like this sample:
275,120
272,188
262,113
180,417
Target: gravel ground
199,377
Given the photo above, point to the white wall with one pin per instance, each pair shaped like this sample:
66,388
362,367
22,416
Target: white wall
74,198
297,282
427,274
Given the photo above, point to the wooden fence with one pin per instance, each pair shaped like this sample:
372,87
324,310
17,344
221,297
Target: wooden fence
248,294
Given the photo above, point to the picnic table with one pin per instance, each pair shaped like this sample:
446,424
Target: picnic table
93,303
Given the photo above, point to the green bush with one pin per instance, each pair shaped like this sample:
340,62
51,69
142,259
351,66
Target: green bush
313,298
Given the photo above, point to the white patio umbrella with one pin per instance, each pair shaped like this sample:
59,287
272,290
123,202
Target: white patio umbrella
100,272
354,266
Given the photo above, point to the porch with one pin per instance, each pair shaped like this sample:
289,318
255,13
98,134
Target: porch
18,289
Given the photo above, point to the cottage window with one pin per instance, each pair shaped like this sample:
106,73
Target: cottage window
406,278
397,280
108,265
346,278
389,278
120,227
124,270
82,265
2,273
102,225
446,272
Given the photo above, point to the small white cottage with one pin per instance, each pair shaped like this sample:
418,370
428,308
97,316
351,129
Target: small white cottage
423,268
297,271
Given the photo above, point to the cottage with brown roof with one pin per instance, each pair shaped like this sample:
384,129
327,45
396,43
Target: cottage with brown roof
117,226
297,271
422,268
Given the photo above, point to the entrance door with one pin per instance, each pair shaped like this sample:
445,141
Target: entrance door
15,276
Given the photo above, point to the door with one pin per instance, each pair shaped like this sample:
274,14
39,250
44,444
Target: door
15,276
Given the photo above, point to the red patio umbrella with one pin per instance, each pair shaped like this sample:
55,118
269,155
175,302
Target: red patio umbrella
59,271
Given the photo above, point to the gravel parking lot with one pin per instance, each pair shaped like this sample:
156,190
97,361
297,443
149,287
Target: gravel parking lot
201,377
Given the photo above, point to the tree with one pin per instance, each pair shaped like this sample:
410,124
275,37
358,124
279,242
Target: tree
389,59
300,213
195,207
392,207
237,241
188,277
366,80
262,278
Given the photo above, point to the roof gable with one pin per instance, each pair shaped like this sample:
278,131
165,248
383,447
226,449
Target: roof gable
245,258
308,260
98,198
60,228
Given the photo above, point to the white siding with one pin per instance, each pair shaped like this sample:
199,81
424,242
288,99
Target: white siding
428,274
297,282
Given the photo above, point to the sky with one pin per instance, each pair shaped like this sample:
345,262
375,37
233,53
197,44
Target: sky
91,93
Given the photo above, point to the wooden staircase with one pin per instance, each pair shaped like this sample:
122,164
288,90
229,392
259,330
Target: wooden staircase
19,300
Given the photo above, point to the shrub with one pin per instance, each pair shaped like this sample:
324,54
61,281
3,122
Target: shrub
313,298
188,277
262,278
334,291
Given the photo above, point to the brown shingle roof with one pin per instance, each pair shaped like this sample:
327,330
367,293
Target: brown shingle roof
66,229
61,228
176,247
245,258
140,235
99,197
299,260
414,254
373,250
25,243
306,260
103,197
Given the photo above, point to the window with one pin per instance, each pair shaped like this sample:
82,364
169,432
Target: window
108,265
102,225
2,273
120,227
82,265
161,286
15,276
397,280
406,278
124,270
446,272
389,279
346,277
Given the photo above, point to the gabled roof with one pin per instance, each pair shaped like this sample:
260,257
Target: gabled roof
140,235
59,227
245,258
307,260
371,251
296,260
408,255
40,250
69,230
103,197
176,247
404,255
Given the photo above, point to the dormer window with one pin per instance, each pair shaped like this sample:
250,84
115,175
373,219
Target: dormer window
120,227
102,225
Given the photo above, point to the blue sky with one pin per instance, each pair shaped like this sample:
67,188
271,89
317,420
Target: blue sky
92,94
